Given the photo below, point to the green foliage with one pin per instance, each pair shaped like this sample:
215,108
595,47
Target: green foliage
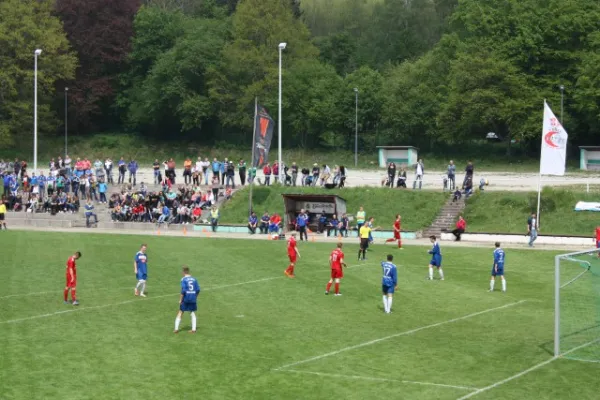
249,63
418,209
556,212
27,25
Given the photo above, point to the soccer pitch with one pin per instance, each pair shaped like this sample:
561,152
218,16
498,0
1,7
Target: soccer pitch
262,335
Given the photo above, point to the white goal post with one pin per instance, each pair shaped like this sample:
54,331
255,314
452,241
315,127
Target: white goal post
576,303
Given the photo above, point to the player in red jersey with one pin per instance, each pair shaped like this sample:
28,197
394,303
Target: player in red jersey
293,255
336,262
72,279
598,238
397,237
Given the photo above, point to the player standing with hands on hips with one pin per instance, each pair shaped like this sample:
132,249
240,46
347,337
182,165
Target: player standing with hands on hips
389,282
436,259
140,268
187,299
498,268
336,262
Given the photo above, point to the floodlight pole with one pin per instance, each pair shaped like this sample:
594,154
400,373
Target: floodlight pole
281,48
35,106
355,127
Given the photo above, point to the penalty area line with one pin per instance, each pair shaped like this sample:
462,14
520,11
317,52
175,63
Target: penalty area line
79,308
375,379
525,372
404,333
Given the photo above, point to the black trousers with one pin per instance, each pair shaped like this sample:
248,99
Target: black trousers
457,232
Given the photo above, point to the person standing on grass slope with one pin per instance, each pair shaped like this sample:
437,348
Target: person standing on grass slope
397,236
71,279
293,255
389,282
532,228
361,215
140,268
336,263
436,259
498,268
187,299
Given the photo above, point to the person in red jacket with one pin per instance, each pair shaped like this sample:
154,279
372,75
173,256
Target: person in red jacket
267,172
461,226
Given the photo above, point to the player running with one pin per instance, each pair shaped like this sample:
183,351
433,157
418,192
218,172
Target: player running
336,262
397,237
436,258
389,282
498,268
72,279
140,268
187,299
293,255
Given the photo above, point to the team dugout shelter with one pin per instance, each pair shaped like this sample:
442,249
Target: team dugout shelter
589,159
315,206
399,155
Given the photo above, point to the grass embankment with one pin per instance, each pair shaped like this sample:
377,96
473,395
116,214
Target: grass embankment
505,212
146,150
418,208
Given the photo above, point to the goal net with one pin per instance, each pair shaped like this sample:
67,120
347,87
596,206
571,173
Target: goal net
577,306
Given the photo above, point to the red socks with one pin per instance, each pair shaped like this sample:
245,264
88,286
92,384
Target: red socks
73,295
66,294
290,269
328,286
337,288
399,243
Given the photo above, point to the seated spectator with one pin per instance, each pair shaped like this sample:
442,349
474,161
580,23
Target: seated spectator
196,214
457,195
401,183
333,225
461,226
274,223
264,223
116,213
252,223
164,215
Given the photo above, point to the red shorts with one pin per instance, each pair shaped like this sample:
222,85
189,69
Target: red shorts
71,283
337,273
293,257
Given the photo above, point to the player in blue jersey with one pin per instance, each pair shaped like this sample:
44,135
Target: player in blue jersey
140,268
498,268
436,258
187,299
389,282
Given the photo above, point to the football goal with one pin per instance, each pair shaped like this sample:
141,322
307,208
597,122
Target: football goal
577,306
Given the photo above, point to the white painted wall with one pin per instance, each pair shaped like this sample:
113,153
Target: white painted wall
480,237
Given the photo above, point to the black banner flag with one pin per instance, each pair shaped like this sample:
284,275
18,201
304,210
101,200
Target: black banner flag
264,125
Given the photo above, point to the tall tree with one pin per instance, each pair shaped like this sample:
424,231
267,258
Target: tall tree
249,64
27,25
100,32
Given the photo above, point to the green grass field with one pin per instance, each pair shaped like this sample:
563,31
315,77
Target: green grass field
264,336
557,207
418,209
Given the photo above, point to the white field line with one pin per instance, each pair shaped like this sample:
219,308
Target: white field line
57,292
409,332
525,372
368,378
75,309
581,359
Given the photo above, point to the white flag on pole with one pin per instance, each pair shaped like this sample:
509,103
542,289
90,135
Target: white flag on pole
554,145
